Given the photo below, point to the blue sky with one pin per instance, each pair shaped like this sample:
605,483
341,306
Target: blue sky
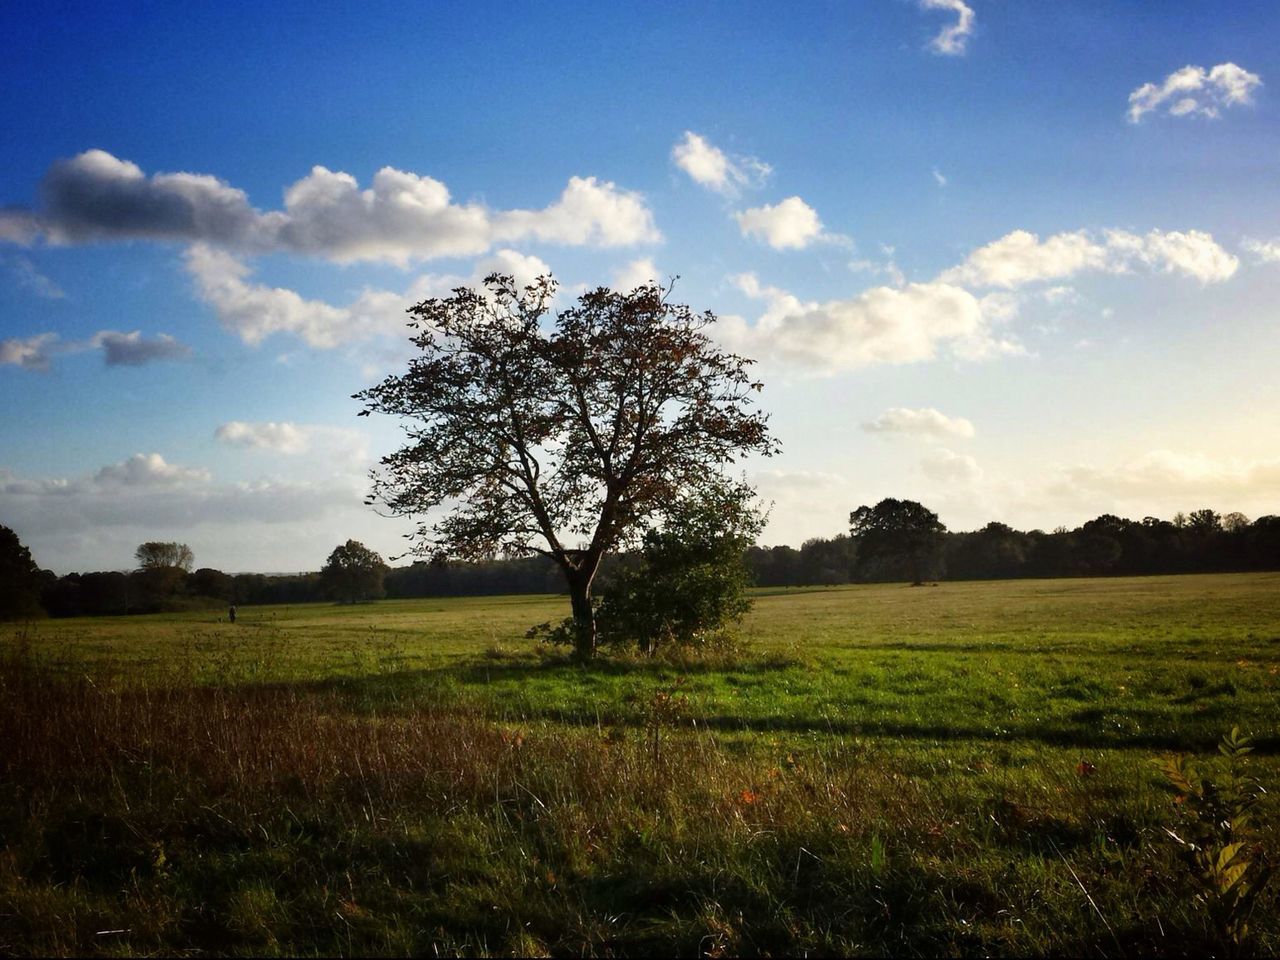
1016,260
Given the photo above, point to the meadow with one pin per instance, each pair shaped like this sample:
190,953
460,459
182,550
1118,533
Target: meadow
962,769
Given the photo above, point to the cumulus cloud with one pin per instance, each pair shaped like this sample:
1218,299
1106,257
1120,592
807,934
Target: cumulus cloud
255,311
281,437
1192,253
521,267
947,466
147,470
135,350
333,449
588,213
711,167
881,325
637,273
118,349
401,217
1264,251
33,352
953,38
1194,91
1021,257
789,225
924,422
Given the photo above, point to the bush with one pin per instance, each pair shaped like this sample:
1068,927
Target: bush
687,586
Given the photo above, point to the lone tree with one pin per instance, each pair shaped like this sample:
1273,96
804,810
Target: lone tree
559,436
154,555
353,572
897,531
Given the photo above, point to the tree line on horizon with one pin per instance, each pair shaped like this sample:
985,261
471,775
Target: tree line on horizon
1202,541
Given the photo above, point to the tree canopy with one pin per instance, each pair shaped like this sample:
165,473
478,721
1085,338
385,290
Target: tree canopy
353,573
154,555
20,579
560,436
897,530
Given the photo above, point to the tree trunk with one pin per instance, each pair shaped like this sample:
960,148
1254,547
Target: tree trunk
584,615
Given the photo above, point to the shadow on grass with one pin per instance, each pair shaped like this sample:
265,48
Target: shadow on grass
1088,728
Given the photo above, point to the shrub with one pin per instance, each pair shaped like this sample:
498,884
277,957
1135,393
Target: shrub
687,586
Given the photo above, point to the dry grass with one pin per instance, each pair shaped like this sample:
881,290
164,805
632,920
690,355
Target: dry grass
178,816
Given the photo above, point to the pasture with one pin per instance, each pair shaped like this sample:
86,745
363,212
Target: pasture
961,769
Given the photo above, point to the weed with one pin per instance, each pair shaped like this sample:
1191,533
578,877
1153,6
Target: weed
1226,861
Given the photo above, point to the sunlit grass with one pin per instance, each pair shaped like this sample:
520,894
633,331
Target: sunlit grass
960,769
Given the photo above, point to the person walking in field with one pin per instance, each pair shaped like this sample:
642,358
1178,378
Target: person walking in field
231,614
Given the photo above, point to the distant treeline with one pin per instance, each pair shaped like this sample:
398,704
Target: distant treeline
1202,542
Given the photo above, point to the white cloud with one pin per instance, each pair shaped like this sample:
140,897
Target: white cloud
1264,251
947,466
147,470
588,213
1195,91
96,521
637,273
31,352
521,267
712,168
1193,254
880,325
925,422
938,178
789,225
888,268
952,39
400,218
1021,257
332,449
281,437
255,311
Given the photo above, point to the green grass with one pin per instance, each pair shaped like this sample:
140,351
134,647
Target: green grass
960,769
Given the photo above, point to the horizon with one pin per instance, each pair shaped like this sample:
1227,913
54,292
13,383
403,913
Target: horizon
1016,263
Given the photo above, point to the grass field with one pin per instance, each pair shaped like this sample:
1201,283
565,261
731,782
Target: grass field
960,769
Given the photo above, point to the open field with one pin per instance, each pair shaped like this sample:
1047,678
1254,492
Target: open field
963,769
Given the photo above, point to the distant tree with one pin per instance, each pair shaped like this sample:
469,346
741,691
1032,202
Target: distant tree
1204,521
207,582
690,582
353,572
563,438
827,561
1235,522
897,530
154,555
21,581
997,550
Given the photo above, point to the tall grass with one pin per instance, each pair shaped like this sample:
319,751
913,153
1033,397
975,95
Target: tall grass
178,816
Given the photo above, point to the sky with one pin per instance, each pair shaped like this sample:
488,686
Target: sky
1017,261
